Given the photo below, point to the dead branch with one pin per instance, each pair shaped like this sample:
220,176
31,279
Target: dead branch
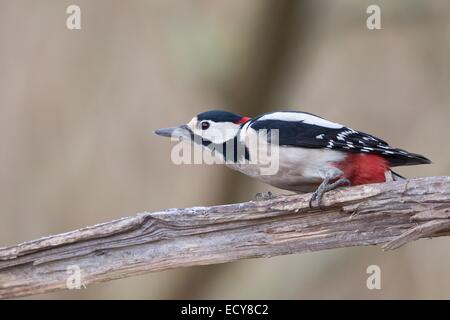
391,214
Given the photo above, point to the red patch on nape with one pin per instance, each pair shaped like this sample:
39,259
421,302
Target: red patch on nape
364,168
243,120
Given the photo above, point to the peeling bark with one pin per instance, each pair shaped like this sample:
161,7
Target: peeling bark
391,214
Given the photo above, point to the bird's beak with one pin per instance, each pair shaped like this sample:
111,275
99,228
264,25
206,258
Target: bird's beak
179,132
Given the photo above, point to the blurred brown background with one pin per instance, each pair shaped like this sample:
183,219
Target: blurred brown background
77,110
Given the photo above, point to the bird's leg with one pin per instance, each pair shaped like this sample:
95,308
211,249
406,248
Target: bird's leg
316,199
261,196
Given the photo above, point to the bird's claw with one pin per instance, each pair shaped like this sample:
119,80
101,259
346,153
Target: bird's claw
261,196
316,201
316,198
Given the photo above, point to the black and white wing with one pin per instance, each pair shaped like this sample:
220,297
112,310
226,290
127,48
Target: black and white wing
306,130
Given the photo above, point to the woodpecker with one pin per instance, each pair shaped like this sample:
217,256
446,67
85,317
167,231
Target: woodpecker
314,154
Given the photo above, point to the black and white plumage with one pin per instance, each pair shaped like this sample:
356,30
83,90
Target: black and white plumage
301,129
313,153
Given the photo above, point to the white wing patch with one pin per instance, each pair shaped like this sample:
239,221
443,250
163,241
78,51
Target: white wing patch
330,144
302,117
343,135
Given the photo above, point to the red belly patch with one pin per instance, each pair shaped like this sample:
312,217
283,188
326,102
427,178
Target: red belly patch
364,168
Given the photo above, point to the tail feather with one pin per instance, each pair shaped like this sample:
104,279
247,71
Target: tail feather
397,177
401,157
393,176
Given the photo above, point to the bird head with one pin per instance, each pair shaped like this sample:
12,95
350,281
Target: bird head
215,126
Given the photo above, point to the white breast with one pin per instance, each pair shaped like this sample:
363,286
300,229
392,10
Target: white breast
299,169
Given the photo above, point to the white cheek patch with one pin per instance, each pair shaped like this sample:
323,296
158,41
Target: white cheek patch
193,125
218,132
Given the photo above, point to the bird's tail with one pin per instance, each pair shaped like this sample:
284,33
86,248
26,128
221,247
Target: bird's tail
396,176
393,176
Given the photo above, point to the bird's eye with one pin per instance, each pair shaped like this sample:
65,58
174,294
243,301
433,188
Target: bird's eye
205,125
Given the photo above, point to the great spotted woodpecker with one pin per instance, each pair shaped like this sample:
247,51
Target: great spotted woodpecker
314,154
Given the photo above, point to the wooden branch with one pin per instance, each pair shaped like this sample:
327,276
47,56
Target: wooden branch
392,214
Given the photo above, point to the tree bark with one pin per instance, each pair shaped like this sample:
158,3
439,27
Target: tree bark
391,214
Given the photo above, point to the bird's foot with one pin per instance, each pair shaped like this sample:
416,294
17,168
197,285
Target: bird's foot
261,196
317,197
